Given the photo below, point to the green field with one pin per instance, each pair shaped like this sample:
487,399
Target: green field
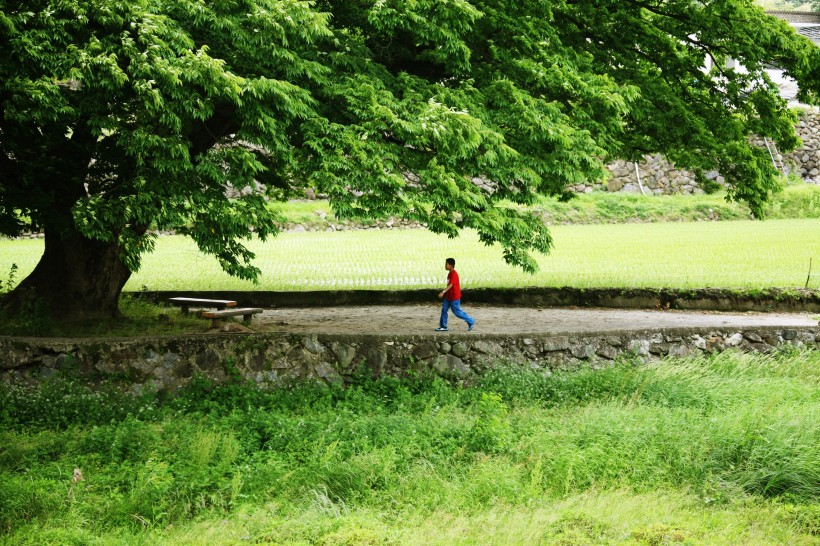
742,254
601,240
724,450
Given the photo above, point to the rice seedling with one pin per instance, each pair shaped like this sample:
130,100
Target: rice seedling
693,255
743,254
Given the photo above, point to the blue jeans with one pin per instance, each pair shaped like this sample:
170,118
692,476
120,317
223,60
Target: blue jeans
455,305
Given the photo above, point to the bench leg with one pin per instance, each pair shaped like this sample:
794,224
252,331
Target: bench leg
247,318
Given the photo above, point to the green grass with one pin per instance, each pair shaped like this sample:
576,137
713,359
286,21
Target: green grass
794,202
731,254
677,251
138,317
743,254
721,450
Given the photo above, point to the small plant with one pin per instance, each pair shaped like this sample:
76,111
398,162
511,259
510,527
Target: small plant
491,431
806,517
11,280
233,373
33,318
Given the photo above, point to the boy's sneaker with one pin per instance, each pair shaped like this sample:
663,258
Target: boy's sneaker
441,329
470,328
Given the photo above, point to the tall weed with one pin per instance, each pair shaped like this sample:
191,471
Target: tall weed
730,428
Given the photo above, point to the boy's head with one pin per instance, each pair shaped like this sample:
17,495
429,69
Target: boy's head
450,264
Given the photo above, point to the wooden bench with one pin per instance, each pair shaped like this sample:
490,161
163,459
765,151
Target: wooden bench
187,303
246,313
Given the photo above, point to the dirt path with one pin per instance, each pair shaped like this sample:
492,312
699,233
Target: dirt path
422,319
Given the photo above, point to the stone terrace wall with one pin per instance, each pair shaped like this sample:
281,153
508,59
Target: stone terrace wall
659,176
168,363
805,161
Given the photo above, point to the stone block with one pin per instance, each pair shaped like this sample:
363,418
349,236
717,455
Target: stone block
279,364
344,353
734,340
771,339
698,342
532,350
460,349
583,351
328,373
639,347
615,184
715,344
680,349
425,350
451,366
557,344
313,345
296,354
376,359
609,352
760,348
486,348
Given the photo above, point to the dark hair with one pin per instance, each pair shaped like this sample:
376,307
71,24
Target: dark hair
451,261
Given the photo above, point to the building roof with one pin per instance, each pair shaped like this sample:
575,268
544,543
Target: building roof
809,30
796,17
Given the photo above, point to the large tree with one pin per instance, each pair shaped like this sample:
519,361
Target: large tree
118,118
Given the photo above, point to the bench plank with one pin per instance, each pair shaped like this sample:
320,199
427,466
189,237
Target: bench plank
246,313
187,303
203,302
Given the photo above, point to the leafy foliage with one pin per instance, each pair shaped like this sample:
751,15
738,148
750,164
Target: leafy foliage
119,117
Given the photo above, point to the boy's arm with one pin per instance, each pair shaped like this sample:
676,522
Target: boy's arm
441,294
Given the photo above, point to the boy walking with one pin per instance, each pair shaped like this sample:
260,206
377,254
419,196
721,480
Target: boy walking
451,298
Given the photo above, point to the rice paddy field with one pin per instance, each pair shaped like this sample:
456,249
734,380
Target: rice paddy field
731,254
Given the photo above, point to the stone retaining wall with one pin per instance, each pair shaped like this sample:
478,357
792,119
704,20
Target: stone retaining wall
805,161
167,363
658,176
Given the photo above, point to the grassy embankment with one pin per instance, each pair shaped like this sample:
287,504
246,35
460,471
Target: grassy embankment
723,450
798,201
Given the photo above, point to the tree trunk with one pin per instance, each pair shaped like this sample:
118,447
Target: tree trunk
76,279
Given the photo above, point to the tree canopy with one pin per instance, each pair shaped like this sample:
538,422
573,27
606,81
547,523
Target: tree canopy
118,118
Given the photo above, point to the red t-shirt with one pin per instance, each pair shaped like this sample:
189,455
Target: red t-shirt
453,293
